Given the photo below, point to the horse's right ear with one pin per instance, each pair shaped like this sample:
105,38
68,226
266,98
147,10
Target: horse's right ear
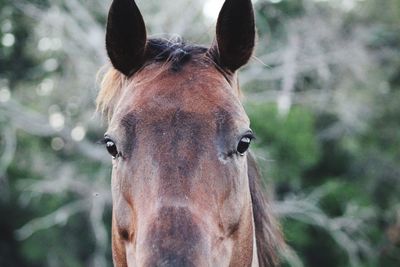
126,36
235,35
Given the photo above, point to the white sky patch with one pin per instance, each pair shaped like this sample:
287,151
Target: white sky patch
57,121
47,43
44,44
50,64
78,133
56,44
57,143
284,104
45,87
8,40
5,95
349,4
345,4
211,8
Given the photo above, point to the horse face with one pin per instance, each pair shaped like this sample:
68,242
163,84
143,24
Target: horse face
180,186
178,135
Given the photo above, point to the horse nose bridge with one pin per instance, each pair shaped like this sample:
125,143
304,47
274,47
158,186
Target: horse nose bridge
174,238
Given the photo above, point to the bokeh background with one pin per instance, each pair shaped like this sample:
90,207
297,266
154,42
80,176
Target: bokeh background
322,91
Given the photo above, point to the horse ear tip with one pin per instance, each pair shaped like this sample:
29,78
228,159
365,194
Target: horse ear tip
235,35
125,45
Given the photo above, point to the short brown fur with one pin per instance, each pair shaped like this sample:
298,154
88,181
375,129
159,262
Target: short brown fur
183,194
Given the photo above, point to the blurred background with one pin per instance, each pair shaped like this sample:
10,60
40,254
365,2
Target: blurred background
322,91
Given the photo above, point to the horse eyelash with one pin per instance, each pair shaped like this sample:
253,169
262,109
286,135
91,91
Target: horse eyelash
103,141
251,135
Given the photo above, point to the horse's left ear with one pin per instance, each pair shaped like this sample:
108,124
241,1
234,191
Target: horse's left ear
235,35
126,36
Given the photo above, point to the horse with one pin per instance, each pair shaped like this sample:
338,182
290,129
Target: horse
185,189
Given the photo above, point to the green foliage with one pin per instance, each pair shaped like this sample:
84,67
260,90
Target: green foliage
289,140
333,157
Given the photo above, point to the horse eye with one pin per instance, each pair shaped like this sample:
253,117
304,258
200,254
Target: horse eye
111,148
244,144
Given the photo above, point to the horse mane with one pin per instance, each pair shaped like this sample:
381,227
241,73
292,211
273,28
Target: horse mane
111,84
269,238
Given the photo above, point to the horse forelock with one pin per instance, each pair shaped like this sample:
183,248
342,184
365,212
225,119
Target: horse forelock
111,85
176,51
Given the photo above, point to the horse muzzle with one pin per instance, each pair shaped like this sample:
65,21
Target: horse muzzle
174,239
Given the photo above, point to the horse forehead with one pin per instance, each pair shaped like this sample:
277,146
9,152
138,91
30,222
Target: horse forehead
195,87
193,95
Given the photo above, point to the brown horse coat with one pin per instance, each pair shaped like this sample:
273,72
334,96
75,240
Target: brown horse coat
185,190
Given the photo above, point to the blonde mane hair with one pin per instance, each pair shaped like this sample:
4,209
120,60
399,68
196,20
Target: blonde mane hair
111,84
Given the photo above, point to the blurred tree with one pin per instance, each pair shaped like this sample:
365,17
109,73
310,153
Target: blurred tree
340,61
322,93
